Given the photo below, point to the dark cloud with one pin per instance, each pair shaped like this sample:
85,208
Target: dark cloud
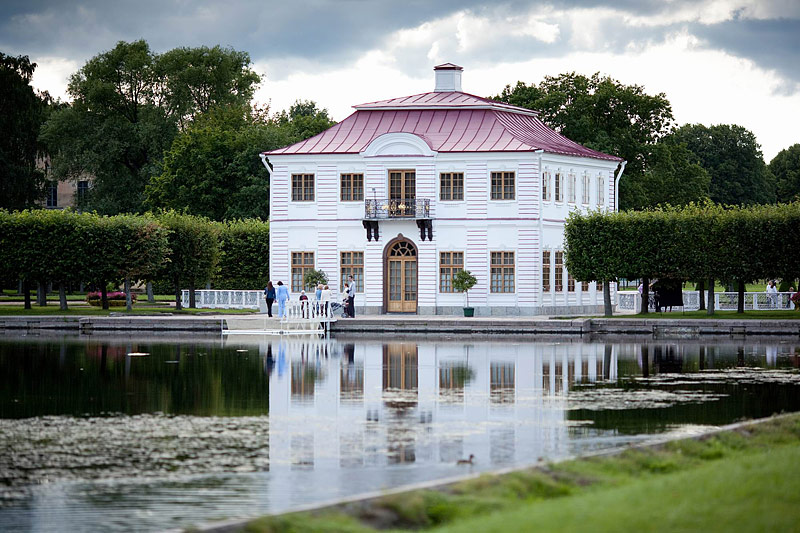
771,44
330,33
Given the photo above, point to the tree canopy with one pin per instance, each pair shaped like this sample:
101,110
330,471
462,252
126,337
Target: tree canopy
22,112
786,168
128,104
213,168
600,113
733,159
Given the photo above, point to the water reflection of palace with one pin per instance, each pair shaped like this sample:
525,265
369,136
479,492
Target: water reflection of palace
340,405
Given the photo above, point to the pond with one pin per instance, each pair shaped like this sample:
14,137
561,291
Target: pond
157,433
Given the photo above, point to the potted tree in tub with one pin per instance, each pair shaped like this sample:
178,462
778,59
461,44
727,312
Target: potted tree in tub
463,281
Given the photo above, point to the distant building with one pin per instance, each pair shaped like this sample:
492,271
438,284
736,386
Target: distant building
62,194
405,192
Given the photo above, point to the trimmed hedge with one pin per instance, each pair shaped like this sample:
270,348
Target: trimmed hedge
696,242
174,251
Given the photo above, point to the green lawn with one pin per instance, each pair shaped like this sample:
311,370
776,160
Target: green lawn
743,480
722,315
749,287
50,310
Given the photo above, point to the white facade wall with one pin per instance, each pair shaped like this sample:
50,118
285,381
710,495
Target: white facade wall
476,226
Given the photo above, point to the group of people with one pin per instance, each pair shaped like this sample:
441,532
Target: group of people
772,295
322,303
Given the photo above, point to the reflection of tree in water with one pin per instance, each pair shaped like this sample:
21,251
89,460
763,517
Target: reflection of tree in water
453,378
77,377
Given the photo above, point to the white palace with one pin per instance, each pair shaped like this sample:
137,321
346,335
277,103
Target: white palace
405,192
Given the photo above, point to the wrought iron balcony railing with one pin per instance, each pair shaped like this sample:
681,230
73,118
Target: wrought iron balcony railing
410,208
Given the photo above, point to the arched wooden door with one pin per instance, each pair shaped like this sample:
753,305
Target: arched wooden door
400,277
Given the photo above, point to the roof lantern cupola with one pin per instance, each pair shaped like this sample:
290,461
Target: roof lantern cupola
448,78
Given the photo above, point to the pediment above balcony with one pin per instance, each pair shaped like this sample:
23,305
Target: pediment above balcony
397,145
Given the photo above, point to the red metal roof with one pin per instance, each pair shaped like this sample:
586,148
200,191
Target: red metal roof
448,122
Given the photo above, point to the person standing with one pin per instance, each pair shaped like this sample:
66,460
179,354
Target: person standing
269,295
325,300
351,296
772,294
346,300
318,295
282,294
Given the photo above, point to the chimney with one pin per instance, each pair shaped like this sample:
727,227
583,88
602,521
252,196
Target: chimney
448,78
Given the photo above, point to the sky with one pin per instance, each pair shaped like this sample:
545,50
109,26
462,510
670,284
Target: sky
717,61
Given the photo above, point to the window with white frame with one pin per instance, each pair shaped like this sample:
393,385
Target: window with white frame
586,186
451,186
302,187
449,264
546,186
571,188
600,190
559,269
351,187
546,270
351,264
559,187
502,272
503,185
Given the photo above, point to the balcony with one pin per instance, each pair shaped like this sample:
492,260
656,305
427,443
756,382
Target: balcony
418,209
406,208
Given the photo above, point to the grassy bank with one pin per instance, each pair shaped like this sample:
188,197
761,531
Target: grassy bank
741,480
783,314
53,310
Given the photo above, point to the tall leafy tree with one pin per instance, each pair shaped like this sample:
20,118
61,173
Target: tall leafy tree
670,178
194,80
22,112
213,168
786,168
733,158
600,113
127,105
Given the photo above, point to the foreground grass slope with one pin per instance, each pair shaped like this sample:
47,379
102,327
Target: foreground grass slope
742,480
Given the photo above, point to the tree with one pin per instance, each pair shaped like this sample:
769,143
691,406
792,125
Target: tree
671,178
786,168
195,80
463,281
733,158
244,254
22,112
314,277
194,252
142,250
303,120
213,169
600,113
127,105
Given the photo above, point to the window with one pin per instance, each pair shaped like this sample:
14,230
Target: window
559,268
52,195
586,188
302,187
600,187
351,187
502,272
352,264
571,188
600,286
546,186
83,189
302,262
546,270
451,186
570,283
559,187
584,286
502,185
449,264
